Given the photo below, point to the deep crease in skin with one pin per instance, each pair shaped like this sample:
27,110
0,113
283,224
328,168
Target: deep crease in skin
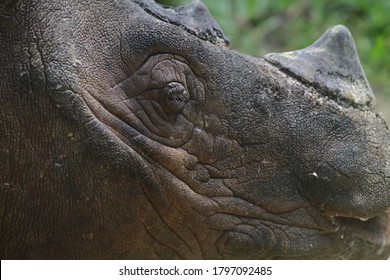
148,159
268,217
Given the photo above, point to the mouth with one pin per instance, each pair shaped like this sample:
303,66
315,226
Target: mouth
375,230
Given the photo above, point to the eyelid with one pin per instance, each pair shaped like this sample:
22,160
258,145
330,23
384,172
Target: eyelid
174,97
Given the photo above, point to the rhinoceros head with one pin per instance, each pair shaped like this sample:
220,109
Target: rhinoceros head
151,138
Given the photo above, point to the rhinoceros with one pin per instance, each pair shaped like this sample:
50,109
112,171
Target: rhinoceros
130,130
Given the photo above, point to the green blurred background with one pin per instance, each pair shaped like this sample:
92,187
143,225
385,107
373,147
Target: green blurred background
257,27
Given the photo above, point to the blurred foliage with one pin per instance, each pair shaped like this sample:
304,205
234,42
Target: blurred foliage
257,27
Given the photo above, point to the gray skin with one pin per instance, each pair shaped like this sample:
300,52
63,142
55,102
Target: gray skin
132,131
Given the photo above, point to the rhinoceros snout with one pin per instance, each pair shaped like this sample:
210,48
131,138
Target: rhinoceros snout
332,66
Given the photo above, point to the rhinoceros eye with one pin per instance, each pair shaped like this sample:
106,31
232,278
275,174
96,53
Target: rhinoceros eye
174,97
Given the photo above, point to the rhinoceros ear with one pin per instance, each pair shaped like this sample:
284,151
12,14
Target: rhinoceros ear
332,66
193,17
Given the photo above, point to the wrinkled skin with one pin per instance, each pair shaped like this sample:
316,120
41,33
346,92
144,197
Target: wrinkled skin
127,132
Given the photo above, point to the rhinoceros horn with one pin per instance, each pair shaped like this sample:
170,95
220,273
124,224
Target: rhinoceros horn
332,66
193,17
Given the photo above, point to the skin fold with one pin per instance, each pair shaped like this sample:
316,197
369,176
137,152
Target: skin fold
132,131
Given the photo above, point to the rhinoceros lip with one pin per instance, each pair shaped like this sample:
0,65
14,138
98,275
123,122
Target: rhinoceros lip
375,230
